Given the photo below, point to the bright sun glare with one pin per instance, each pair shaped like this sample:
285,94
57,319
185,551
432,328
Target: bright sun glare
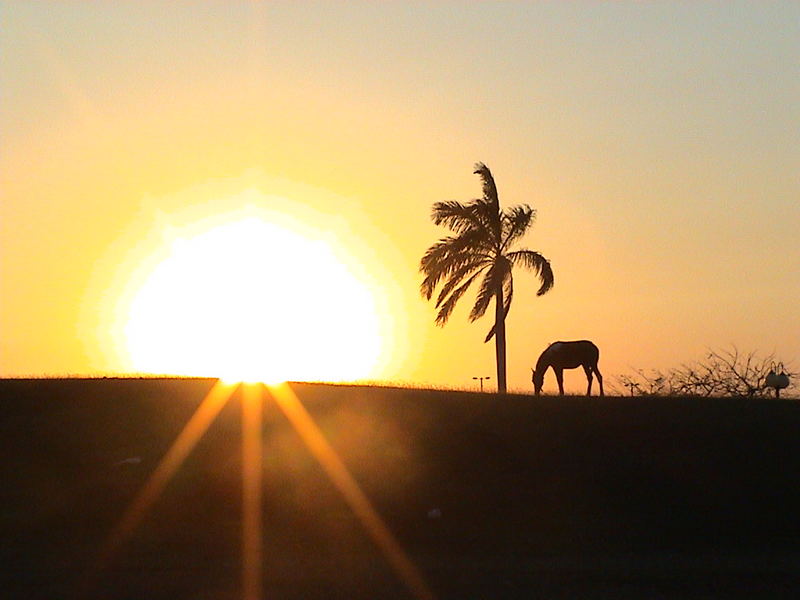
249,300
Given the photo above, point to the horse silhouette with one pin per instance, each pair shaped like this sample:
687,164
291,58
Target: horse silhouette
567,355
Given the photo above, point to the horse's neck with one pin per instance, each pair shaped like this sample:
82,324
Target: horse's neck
545,362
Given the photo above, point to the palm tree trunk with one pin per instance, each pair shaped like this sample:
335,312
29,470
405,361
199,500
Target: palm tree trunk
500,340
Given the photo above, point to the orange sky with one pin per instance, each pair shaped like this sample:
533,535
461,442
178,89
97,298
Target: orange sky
658,143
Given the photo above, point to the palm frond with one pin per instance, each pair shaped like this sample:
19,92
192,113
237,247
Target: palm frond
536,263
458,275
516,222
469,242
447,256
456,216
460,217
494,278
487,181
447,308
442,251
443,272
485,295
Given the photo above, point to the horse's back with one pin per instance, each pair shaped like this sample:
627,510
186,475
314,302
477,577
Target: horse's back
574,353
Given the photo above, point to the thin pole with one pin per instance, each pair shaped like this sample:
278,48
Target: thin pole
481,380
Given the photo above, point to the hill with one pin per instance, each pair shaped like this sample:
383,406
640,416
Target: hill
491,496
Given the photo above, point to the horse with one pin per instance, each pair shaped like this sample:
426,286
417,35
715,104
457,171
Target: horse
567,355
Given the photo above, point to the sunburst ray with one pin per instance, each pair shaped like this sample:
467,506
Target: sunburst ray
337,472
252,528
194,429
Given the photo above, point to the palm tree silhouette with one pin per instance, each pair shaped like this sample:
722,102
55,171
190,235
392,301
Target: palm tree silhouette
480,246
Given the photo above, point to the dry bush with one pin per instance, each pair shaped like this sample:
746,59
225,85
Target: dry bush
720,373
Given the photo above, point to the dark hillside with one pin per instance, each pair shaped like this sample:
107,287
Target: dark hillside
492,497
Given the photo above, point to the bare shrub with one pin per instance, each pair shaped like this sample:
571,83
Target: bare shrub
719,373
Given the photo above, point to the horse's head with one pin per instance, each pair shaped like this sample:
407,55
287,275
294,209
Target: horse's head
537,378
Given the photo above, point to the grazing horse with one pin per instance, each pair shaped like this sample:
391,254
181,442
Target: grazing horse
567,355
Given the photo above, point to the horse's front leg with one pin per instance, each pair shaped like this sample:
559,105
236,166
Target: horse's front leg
560,380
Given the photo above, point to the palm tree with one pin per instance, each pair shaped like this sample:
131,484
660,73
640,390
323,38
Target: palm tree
481,247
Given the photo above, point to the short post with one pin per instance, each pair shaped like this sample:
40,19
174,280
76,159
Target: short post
481,379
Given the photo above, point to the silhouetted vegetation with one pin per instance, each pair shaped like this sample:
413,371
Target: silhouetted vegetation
720,373
481,249
491,496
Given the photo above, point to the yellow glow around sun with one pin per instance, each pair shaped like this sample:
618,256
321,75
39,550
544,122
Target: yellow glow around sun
249,300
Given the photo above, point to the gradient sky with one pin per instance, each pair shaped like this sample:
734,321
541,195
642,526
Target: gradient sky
659,143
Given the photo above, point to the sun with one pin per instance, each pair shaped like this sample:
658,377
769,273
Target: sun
251,300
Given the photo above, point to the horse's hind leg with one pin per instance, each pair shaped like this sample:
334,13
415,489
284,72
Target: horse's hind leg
599,379
588,370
